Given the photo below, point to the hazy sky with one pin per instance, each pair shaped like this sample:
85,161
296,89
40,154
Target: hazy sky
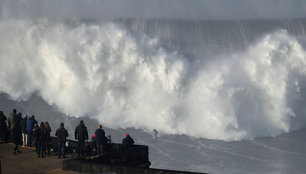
154,8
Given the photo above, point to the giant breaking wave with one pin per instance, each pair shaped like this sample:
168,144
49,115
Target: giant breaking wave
126,78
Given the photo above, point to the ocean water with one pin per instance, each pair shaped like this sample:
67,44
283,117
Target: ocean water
229,95
284,154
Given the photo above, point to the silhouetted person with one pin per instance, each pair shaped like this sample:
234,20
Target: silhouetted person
19,115
101,140
24,130
14,122
3,127
42,140
81,134
61,135
36,135
48,137
127,141
30,127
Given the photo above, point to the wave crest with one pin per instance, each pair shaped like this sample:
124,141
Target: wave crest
129,80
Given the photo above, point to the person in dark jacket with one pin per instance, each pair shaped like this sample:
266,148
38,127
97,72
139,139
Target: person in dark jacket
19,116
36,135
3,127
61,135
24,130
127,141
48,137
101,140
30,127
14,122
81,134
42,140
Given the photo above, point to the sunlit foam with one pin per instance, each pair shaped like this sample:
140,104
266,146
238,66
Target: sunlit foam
130,80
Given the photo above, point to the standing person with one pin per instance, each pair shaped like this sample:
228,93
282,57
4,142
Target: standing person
61,135
3,127
14,125
127,141
36,135
19,117
101,140
43,139
48,141
81,134
41,135
30,126
24,130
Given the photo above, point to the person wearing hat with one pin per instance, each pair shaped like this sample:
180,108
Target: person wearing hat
127,141
81,134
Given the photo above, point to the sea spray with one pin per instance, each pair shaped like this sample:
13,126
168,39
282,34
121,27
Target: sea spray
130,79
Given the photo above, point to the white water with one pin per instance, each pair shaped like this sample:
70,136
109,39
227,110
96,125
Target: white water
129,80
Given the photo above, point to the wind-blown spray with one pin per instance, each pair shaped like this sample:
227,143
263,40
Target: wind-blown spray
129,79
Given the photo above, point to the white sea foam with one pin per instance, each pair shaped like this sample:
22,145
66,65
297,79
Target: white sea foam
130,80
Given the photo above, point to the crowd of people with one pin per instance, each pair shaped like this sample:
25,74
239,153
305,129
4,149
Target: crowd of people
24,130
21,130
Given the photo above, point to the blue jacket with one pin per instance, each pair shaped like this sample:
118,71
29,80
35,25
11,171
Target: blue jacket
30,124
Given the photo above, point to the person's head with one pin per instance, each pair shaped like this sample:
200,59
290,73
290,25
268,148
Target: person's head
42,124
81,122
127,135
36,125
100,126
20,114
62,124
47,124
14,111
33,117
